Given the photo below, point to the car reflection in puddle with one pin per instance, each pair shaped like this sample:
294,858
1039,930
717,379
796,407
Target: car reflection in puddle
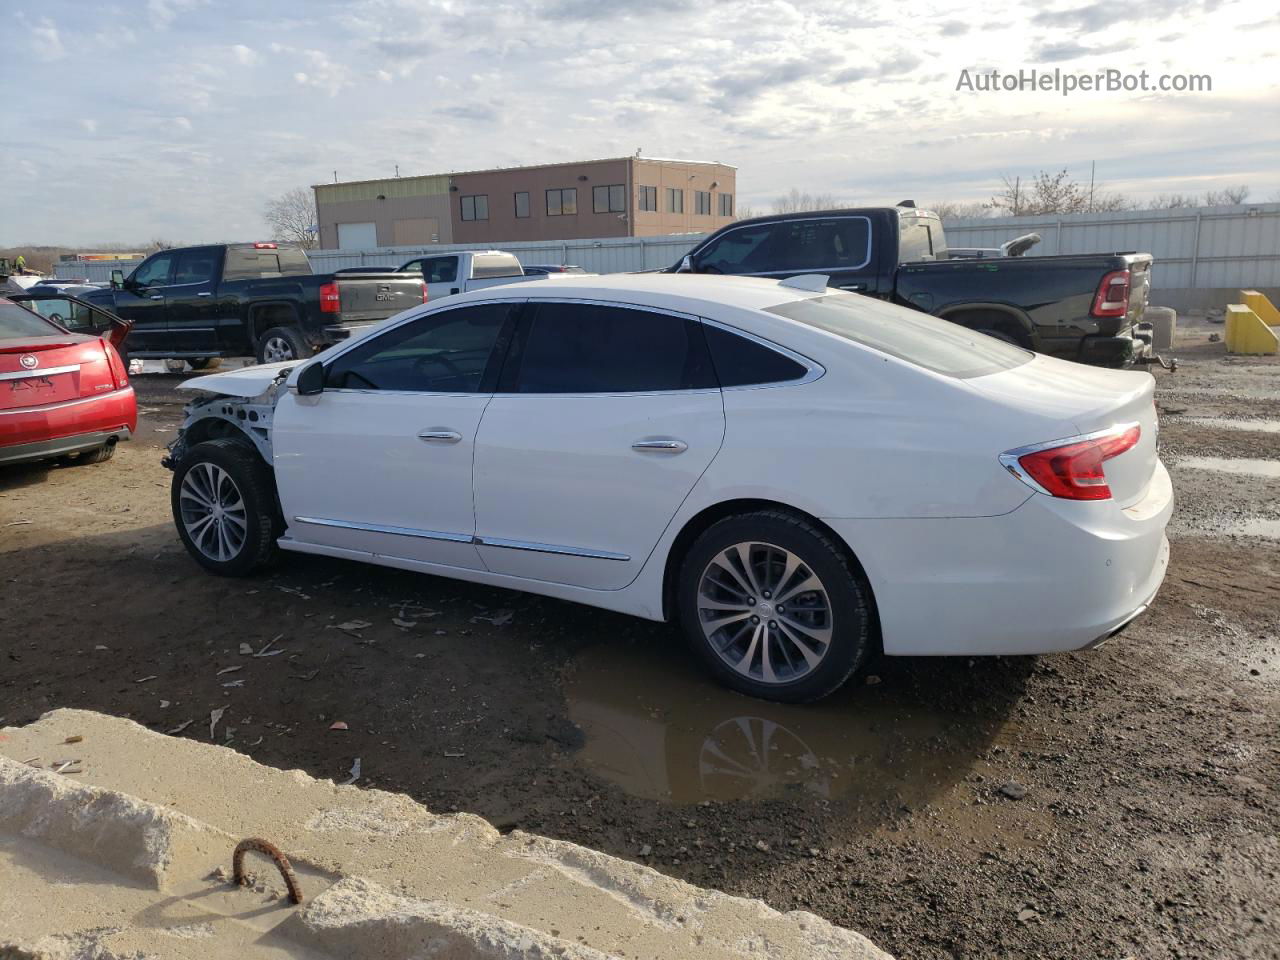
661,730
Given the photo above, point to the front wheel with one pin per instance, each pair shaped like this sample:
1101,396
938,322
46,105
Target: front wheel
224,507
774,607
282,343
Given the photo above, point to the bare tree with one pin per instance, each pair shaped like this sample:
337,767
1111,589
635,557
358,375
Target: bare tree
797,202
747,212
292,217
1053,193
1172,201
1228,196
159,243
950,210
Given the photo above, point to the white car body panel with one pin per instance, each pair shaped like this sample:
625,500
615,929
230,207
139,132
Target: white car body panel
901,463
244,382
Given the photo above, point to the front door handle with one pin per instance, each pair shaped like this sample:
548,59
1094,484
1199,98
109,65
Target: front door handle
660,446
205,294
156,296
440,436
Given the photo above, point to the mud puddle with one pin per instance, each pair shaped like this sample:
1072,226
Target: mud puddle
1243,467
1223,423
660,730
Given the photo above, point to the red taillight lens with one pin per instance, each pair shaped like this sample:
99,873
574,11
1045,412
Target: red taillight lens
424,293
1112,298
265,246
330,298
1073,469
119,373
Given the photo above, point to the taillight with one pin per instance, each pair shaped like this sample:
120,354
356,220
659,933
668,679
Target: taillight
424,293
1072,469
330,298
119,373
1112,298
265,246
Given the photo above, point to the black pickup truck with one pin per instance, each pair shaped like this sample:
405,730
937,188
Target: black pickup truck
1079,307
246,299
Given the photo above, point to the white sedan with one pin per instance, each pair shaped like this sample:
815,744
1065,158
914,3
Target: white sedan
798,476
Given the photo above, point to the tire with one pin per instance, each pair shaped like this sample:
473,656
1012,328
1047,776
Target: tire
205,363
282,343
98,454
236,474
840,610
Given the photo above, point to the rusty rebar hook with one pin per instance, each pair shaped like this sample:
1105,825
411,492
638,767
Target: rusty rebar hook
272,851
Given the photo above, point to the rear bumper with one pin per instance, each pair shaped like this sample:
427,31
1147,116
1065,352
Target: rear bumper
1052,575
1108,351
44,449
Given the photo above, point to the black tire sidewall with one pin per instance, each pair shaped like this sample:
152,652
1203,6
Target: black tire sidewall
253,479
301,351
850,597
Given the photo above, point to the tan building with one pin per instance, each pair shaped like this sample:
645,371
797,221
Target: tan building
628,196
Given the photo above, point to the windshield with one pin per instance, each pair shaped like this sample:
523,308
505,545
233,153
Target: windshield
16,321
909,335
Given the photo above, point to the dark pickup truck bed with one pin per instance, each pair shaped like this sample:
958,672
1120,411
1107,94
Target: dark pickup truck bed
247,299
1080,307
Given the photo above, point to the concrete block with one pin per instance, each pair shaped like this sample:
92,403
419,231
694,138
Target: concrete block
1261,304
1164,321
1246,333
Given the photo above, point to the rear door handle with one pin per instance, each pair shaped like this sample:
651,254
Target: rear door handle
660,446
157,296
205,294
440,436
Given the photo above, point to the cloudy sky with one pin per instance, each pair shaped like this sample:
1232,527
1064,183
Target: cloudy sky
178,119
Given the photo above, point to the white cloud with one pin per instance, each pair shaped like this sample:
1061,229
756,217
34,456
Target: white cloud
244,55
45,42
164,12
182,123
90,126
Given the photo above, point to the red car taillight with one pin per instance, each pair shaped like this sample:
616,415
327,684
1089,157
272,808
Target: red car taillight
330,298
119,373
1072,469
1112,298
424,293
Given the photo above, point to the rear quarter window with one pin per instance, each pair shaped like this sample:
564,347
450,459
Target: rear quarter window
16,321
919,339
741,362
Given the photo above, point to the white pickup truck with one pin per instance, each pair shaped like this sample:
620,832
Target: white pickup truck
450,273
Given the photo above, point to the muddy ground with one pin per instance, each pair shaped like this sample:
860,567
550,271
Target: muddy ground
1118,803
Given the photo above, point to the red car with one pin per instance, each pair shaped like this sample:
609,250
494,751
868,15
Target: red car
62,392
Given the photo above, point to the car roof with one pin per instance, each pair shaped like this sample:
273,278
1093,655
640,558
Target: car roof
675,291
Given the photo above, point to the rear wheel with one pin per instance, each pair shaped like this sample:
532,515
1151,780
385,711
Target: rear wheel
774,607
224,507
205,363
282,343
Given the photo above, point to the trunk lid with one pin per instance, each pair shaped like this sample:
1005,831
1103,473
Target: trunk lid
1073,400
376,295
38,371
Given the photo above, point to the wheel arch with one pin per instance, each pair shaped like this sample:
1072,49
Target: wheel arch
1000,316
704,519
271,313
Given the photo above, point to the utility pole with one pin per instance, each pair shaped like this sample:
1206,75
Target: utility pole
1092,166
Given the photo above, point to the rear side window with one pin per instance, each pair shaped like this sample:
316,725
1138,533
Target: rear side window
740,362
445,352
738,251
250,263
16,321
909,335
592,348
834,243
440,270
196,266
484,265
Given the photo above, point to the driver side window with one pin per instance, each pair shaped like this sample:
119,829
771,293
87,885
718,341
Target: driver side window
738,251
446,352
155,272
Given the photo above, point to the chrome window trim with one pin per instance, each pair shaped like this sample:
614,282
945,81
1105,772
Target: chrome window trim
549,548
815,370
795,271
1009,459
37,372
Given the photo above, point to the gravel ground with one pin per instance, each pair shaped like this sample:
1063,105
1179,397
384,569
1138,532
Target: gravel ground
1118,803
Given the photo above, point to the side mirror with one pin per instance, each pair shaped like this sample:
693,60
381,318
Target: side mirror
686,265
117,279
310,380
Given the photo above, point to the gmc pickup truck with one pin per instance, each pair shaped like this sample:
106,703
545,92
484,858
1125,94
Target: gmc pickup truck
1084,307
246,299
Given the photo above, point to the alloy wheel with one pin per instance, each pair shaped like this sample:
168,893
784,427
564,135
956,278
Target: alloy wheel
765,612
277,349
213,512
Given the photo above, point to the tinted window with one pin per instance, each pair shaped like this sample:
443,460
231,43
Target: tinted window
916,243
522,204
245,263
740,362
838,243
588,348
444,352
196,266
487,265
738,251
909,335
155,271
16,321
440,270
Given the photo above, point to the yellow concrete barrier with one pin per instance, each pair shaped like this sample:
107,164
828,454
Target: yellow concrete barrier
1260,304
1246,333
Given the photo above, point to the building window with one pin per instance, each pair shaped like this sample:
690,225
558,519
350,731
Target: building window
522,205
702,203
675,200
609,199
562,202
649,198
476,207
726,204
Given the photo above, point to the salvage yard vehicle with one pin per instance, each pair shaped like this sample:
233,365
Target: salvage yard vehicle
451,273
1083,307
63,394
798,475
246,299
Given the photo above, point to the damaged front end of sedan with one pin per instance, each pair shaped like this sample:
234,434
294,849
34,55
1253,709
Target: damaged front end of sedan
225,407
